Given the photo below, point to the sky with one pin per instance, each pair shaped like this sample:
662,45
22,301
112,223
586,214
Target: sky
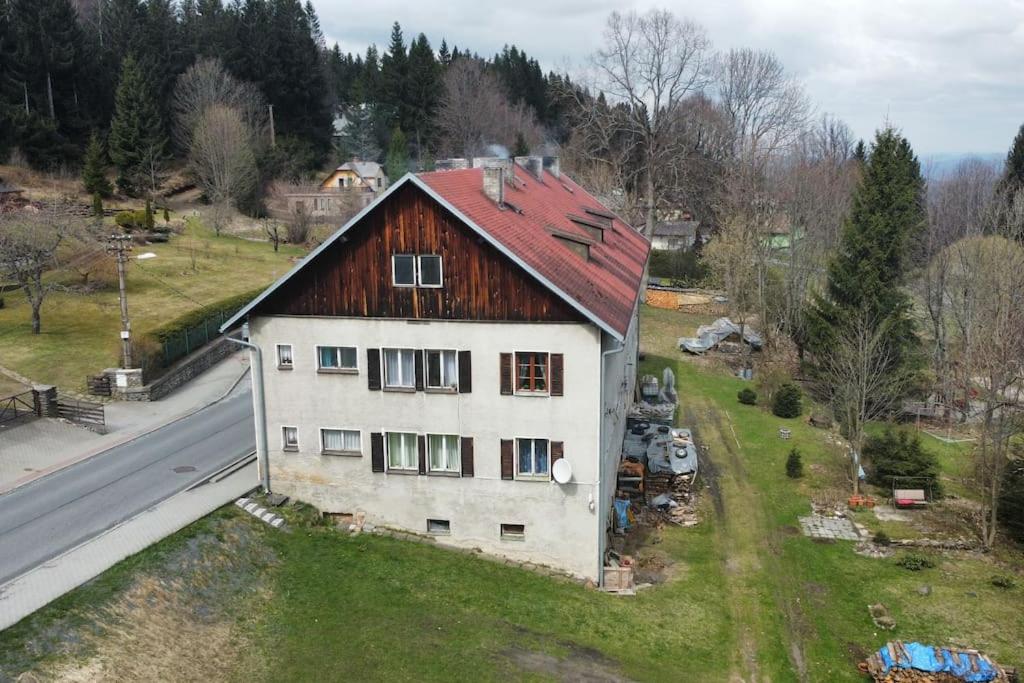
948,74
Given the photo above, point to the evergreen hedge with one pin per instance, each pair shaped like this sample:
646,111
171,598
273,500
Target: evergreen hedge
227,306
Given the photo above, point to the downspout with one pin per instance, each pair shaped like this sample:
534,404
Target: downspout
259,407
602,502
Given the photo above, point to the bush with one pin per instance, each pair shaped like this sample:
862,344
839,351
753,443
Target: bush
1004,582
682,266
167,215
747,397
130,221
97,205
881,538
1011,500
787,401
898,453
915,563
794,465
148,216
228,306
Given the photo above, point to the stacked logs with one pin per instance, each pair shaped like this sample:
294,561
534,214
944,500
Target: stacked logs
875,667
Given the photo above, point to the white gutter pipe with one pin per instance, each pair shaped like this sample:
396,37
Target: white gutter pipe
602,502
259,408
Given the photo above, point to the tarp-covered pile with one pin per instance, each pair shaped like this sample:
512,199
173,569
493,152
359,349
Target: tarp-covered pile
710,336
898,662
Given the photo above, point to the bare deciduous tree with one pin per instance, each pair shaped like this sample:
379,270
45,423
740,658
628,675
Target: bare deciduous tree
649,65
207,83
30,240
475,112
222,160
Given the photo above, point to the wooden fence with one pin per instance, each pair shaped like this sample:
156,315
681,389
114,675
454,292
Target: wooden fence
83,412
16,406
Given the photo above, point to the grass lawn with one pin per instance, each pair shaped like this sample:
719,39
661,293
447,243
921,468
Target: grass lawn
748,598
80,331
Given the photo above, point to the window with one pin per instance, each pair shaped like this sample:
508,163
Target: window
532,371
515,532
443,452
321,203
400,368
403,267
284,356
336,358
442,370
340,441
533,457
430,270
290,438
380,182
402,451
439,526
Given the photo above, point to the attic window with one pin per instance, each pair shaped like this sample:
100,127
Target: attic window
577,244
599,213
594,228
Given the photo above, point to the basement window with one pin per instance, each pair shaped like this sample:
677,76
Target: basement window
513,532
441,527
290,438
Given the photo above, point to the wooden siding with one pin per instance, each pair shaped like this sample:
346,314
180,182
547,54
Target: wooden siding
352,278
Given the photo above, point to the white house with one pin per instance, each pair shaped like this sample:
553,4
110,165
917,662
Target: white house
431,361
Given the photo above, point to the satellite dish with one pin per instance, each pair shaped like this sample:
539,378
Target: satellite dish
561,471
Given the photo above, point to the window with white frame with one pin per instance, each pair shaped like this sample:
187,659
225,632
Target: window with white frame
443,452
400,368
403,270
442,369
532,372
336,358
284,356
290,438
403,452
340,441
429,270
534,458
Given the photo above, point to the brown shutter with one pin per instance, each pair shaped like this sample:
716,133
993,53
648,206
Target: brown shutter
465,373
507,459
423,453
505,372
557,363
373,370
466,452
377,452
419,369
557,451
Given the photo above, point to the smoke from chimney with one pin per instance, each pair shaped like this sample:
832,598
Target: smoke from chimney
500,151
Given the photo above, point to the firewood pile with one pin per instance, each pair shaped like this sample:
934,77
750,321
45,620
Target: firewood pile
951,666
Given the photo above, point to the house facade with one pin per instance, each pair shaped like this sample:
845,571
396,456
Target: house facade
361,175
431,362
675,235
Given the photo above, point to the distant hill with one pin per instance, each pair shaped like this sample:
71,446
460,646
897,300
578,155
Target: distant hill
938,165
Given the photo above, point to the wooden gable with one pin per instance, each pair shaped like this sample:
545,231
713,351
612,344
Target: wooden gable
352,277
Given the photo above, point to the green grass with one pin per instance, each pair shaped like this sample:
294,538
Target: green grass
80,332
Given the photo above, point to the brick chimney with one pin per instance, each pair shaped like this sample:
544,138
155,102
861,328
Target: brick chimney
494,183
553,166
533,165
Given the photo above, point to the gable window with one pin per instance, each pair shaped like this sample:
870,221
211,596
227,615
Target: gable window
443,452
380,182
533,458
403,452
290,438
532,372
400,368
344,441
336,358
284,356
442,370
403,270
430,270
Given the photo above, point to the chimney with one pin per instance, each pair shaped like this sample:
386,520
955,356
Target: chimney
451,164
553,166
533,165
494,183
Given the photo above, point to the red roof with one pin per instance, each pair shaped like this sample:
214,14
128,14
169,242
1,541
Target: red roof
606,285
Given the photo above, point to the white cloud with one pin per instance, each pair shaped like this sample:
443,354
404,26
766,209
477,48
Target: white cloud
946,72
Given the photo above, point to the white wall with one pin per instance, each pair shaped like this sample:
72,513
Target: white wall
561,529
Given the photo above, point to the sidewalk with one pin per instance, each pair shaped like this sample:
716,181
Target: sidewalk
34,589
36,448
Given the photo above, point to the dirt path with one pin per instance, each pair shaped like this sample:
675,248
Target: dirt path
749,547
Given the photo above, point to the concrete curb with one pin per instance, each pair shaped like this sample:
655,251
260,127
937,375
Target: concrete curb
128,438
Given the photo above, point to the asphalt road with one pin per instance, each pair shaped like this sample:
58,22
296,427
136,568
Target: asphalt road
41,520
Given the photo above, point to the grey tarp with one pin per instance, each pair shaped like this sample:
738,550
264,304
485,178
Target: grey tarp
710,336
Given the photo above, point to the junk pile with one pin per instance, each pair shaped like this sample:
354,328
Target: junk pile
657,403
657,474
900,662
670,500
710,337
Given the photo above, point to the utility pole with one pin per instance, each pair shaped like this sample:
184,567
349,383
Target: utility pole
120,245
273,137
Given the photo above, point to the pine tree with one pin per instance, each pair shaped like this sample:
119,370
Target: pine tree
443,54
359,139
521,148
1012,181
397,163
794,465
394,74
150,223
137,143
97,205
422,94
94,176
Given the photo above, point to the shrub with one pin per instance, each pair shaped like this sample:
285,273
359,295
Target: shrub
881,538
148,216
227,306
167,215
1011,500
915,563
97,205
747,396
787,401
130,221
898,453
794,465
1004,582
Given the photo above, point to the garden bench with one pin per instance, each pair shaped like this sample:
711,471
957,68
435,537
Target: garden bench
905,498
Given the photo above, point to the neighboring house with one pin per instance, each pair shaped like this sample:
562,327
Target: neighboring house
321,204
361,175
675,235
432,360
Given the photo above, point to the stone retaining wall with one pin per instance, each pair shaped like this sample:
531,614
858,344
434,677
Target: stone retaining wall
178,374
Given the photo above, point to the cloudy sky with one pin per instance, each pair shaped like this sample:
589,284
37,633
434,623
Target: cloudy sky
948,73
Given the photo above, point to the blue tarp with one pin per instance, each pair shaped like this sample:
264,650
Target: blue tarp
621,511
935,660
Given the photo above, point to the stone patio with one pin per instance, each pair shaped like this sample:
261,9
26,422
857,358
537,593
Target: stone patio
835,528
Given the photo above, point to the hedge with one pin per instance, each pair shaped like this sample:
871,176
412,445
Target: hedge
229,305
